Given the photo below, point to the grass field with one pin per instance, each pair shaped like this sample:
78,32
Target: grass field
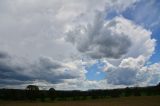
123,101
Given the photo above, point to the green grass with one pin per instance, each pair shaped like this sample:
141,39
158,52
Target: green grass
122,101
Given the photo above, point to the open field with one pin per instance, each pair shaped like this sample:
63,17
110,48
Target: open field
123,101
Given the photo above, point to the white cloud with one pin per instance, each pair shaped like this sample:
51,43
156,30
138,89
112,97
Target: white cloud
142,44
132,62
99,40
133,72
118,38
152,73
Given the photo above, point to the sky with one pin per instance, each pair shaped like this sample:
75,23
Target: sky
79,44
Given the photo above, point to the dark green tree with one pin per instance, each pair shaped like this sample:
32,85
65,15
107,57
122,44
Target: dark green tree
52,93
128,91
32,92
32,88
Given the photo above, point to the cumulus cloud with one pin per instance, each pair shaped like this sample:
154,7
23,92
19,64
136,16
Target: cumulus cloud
99,40
152,73
133,62
116,38
133,72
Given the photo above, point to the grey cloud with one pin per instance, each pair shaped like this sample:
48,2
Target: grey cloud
133,76
8,71
155,79
52,71
11,82
98,40
153,74
48,63
122,76
4,55
43,69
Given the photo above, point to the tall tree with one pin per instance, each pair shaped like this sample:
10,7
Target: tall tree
32,92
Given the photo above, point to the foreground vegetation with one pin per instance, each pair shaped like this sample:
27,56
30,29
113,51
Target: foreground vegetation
121,101
32,93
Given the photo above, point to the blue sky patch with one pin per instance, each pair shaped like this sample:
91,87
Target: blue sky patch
95,72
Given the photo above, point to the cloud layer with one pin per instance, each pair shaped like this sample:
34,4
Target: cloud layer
50,43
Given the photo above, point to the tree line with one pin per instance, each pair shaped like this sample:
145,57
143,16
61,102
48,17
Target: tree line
33,93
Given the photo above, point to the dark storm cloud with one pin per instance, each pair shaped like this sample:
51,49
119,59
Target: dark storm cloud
3,55
11,82
9,72
99,40
43,69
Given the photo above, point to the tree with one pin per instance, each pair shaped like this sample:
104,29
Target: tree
128,91
42,96
32,92
136,91
158,85
52,93
32,88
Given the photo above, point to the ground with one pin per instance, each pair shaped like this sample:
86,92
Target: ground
123,101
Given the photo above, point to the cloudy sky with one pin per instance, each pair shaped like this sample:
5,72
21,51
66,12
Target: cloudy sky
79,44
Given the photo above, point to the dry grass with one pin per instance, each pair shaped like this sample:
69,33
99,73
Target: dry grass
123,101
